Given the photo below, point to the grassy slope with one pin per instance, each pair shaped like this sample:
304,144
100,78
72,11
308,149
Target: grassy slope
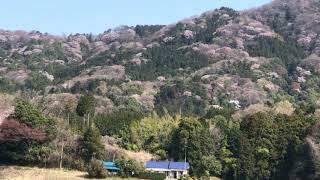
31,173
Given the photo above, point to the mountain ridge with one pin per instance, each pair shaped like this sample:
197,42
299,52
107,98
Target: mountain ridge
218,37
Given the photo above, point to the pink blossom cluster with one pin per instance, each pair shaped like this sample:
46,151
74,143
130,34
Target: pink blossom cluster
188,34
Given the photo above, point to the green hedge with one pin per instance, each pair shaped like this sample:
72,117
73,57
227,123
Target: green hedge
152,175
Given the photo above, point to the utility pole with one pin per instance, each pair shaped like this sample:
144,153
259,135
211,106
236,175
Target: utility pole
68,119
185,156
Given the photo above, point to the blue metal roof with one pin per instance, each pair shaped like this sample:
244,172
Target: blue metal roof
178,165
167,165
155,164
110,165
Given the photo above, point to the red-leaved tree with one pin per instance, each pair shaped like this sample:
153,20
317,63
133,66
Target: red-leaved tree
13,131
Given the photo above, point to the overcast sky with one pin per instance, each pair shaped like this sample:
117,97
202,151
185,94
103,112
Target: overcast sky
95,16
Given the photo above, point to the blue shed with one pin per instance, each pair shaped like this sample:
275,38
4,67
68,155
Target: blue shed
110,166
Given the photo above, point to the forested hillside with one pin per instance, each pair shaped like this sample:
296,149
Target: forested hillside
235,93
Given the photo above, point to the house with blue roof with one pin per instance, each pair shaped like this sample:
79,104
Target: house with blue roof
173,170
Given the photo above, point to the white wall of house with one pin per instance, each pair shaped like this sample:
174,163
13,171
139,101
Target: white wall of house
170,173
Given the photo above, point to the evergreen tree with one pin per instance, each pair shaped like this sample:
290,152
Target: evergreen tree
86,106
192,141
28,114
37,82
92,146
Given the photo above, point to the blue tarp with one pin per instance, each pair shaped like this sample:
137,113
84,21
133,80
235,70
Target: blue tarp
110,166
167,165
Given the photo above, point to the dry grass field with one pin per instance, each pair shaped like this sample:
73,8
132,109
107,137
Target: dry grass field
31,173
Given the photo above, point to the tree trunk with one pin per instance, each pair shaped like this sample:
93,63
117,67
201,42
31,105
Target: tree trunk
61,156
88,119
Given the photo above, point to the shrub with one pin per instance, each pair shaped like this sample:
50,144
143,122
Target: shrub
78,165
8,86
129,167
185,177
96,170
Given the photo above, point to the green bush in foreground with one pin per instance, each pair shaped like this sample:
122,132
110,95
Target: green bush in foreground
96,170
129,167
